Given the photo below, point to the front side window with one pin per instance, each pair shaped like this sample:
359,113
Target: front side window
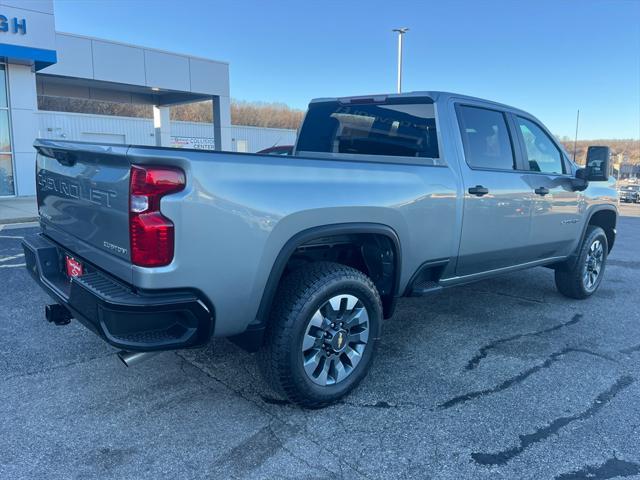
485,137
542,153
392,128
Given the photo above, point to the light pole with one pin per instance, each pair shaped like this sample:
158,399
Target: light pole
401,32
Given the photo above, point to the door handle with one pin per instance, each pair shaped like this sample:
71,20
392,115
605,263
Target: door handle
478,190
542,191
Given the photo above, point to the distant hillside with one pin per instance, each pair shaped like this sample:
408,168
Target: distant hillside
624,148
257,114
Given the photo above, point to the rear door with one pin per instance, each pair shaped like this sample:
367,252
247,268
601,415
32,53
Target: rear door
83,197
497,199
555,218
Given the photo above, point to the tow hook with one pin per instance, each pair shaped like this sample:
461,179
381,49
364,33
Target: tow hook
57,314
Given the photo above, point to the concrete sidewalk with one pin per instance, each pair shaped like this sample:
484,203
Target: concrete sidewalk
18,210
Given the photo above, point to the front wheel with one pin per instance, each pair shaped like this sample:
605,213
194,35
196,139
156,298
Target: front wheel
581,278
322,335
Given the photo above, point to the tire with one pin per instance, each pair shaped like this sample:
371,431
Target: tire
578,278
301,343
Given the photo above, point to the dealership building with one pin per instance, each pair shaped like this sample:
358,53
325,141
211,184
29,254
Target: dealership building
37,61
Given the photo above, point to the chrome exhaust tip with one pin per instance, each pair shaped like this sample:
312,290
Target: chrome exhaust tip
133,358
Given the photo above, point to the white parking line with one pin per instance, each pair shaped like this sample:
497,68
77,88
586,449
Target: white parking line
10,236
14,266
13,226
12,257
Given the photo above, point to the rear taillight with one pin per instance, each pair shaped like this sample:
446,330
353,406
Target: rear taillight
151,233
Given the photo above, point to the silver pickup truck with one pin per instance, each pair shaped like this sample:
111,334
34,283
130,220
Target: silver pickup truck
301,257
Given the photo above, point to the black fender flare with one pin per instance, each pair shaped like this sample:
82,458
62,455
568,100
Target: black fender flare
251,339
568,263
600,208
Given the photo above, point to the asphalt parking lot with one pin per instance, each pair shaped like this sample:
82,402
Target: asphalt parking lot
500,379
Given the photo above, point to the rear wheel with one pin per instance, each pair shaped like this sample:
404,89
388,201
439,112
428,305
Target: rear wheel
581,278
322,334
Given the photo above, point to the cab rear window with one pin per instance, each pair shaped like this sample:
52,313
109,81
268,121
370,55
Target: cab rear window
393,128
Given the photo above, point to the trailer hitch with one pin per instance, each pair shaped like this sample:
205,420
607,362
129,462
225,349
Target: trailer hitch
57,314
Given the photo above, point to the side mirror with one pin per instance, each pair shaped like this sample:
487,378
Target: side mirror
598,163
581,182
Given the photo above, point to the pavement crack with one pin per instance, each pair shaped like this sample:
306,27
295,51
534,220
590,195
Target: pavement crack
281,445
55,367
593,353
504,294
612,468
382,404
510,382
484,351
264,410
541,434
630,350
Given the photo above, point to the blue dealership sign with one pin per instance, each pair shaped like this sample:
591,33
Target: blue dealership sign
13,25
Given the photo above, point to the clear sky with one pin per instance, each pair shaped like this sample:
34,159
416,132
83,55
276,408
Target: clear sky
547,57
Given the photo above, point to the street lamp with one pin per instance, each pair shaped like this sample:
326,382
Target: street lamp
401,32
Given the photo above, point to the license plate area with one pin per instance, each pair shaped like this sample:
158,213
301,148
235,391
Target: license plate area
73,267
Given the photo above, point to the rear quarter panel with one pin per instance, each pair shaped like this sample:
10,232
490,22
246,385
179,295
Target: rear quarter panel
239,210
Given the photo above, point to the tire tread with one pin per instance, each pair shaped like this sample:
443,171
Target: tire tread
292,296
568,277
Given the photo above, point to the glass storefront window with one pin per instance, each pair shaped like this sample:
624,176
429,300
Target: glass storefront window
5,138
3,89
6,175
6,157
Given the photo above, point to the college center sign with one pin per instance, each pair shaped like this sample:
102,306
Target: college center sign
13,25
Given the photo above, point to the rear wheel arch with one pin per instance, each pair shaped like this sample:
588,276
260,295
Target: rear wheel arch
316,237
326,235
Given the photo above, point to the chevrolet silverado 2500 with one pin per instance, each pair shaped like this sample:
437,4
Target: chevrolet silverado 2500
301,257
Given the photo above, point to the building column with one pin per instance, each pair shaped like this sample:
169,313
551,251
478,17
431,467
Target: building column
162,125
222,123
23,101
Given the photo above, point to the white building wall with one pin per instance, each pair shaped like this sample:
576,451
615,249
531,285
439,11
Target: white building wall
23,109
140,131
84,64
80,56
39,20
259,138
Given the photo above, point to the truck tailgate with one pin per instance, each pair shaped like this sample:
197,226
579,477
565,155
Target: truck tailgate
83,194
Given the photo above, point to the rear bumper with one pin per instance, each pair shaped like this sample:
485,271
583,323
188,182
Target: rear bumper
124,317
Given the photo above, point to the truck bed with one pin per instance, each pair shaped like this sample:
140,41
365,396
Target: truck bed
237,212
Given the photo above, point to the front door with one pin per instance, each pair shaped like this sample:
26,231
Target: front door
497,200
555,219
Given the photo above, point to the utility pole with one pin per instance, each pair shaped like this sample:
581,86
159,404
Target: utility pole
401,32
575,140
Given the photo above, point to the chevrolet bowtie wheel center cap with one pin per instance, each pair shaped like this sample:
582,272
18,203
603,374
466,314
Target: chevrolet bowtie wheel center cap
335,339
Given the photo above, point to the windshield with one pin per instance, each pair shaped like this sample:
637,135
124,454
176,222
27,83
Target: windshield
393,128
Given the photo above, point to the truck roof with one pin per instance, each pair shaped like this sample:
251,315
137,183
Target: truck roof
436,96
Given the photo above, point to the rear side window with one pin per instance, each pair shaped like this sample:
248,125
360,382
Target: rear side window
391,129
542,153
486,139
